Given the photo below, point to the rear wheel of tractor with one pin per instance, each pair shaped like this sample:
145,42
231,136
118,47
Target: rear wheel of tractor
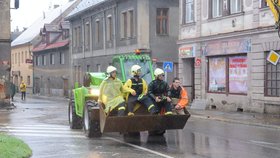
75,121
91,127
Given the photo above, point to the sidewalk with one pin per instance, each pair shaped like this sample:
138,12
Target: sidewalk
256,119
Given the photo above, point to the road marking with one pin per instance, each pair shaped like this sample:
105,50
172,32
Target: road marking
39,128
44,131
49,135
138,147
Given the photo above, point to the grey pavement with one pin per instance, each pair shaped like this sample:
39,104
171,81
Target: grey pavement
256,119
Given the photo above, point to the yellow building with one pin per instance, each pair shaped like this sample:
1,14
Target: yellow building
22,67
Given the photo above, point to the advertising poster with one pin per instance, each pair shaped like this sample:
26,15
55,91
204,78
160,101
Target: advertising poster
238,74
217,74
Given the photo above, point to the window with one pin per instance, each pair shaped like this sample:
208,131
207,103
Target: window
28,80
188,8
272,79
22,57
98,67
109,28
124,25
235,6
162,21
228,74
52,59
37,60
65,34
75,37
263,3
88,68
61,58
130,20
97,29
44,60
216,8
87,36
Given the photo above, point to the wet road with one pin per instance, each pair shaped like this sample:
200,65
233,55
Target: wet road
43,125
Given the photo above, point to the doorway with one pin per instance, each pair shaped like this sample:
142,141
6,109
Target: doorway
188,77
65,87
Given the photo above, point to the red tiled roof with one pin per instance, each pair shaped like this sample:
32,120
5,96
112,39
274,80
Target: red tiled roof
42,47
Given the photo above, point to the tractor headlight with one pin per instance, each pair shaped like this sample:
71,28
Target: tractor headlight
94,92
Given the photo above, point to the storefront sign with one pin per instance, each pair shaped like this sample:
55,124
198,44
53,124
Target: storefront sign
273,57
5,62
186,51
227,47
29,61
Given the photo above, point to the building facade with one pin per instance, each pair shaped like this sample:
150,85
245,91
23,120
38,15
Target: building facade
223,49
22,46
51,61
105,28
5,49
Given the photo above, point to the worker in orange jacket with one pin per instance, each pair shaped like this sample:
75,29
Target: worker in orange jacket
179,97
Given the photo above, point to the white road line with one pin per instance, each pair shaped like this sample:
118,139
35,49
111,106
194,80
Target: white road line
139,147
45,131
38,128
49,135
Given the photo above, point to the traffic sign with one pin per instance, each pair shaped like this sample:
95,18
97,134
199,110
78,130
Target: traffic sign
273,57
168,66
197,62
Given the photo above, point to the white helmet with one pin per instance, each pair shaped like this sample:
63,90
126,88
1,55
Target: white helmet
158,72
110,69
135,69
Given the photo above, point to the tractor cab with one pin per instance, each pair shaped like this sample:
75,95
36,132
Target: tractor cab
123,63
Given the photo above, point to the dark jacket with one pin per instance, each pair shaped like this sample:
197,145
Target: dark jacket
158,88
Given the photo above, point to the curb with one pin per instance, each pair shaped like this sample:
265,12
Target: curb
235,121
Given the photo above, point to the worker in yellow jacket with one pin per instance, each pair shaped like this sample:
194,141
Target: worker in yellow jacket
22,88
111,92
140,87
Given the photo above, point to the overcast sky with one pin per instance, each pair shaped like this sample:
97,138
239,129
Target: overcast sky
29,11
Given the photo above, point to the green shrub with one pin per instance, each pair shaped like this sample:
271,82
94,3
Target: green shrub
11,147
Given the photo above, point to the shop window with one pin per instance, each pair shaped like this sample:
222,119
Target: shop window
228,74
217,74
238,74
272,80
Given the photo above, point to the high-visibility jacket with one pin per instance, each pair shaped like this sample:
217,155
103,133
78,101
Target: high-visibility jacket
22,87
133,84
111,93
181,94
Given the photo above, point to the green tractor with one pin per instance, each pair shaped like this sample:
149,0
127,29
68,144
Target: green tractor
85,112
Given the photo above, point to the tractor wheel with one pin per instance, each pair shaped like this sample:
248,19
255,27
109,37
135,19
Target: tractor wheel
75,121
91,127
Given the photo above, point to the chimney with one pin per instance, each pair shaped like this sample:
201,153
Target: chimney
55,6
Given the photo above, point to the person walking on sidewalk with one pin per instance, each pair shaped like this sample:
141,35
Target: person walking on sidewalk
139,85
22,88
179,97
